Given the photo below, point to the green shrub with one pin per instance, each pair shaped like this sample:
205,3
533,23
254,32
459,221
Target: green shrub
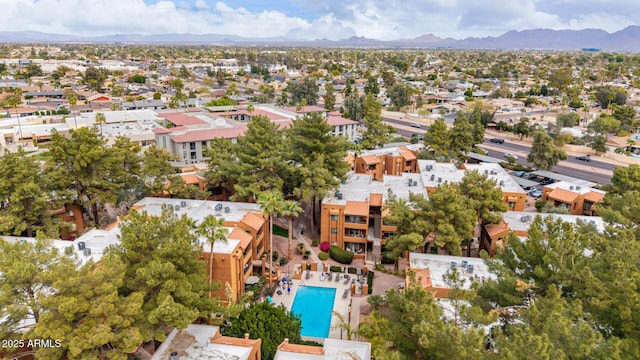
387,259
336,269
275,256
280,231
323,256
370,281
340,255
283,261
379,267
314,243
352,270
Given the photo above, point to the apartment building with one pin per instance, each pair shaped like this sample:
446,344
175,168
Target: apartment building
187,135
387,161
577,199
435,174
352,216
234,261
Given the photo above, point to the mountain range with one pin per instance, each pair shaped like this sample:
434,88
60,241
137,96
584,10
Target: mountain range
538,39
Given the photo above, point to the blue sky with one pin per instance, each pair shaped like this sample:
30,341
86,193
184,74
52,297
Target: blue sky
315,19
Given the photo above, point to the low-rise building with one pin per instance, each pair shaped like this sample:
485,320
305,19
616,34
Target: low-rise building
519,222
332,349
577,199
205,342
352,216
430,271
435,174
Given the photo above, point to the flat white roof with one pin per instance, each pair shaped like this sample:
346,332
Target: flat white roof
521,221
194,343
334,349
199,209
438,266
497,173
573,187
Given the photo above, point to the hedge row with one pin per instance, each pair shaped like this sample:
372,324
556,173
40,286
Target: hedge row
370,281
336,269
323,256
340,255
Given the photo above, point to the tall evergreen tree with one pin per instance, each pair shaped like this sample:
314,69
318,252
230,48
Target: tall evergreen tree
88,317
544,154
84,165
437,139
26,271
377,133
261,159
23,189
161,257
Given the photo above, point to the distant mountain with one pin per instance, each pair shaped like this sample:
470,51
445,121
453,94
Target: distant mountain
544,39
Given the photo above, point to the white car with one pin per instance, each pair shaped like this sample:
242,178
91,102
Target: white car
509,155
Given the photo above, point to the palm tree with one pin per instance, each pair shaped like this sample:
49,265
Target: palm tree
290,209
73,100
15,101
271,203
101,119
214,231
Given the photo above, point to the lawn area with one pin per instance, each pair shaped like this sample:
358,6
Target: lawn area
280,231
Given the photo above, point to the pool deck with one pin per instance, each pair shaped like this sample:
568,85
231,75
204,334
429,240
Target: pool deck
340,305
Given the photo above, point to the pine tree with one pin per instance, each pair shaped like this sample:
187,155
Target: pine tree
377,133
543,154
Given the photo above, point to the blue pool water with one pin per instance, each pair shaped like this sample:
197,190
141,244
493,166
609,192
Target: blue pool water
314,306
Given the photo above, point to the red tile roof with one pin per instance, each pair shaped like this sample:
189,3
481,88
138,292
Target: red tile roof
183,119
356,208
254,221
370,159
339,120
565,196
594,196
243,236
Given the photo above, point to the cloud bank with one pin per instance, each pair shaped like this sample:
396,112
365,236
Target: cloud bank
319,19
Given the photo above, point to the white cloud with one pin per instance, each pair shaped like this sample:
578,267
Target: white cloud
333,19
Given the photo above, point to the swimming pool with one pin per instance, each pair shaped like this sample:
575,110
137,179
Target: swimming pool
314,305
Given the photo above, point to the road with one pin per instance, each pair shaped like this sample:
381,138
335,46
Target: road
596,171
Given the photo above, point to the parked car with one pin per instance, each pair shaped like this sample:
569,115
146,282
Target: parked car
547,181
520,174
510,155
415,125
497,140
535,193
583,158
417,136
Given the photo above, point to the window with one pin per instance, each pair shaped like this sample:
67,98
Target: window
334,231
193,155
334,217
204,144
192,146
512,204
